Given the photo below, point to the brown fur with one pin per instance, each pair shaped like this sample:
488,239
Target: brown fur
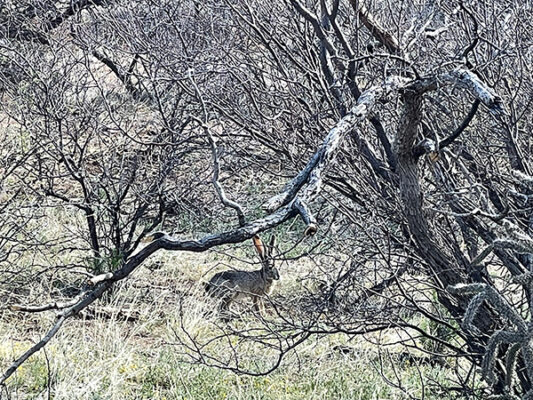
231,285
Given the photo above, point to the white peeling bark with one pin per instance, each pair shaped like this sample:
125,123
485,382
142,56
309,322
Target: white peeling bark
312,173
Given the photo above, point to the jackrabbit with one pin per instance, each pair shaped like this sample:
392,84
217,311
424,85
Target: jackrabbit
232,285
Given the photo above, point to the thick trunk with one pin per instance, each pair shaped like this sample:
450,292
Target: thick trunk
444,269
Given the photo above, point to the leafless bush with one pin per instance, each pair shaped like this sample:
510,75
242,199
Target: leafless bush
398,128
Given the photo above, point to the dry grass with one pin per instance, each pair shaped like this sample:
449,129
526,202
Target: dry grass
109,357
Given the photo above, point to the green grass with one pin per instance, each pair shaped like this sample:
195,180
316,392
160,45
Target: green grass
93,374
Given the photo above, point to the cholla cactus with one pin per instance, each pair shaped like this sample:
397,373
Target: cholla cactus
522,178
516,239
519,338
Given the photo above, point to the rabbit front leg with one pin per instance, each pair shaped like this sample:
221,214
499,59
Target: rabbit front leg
223,308
259,306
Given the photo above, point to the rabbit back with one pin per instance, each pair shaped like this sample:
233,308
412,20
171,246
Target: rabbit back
238,284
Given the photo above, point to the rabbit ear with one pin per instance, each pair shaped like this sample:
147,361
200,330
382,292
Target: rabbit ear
271,244
259,246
